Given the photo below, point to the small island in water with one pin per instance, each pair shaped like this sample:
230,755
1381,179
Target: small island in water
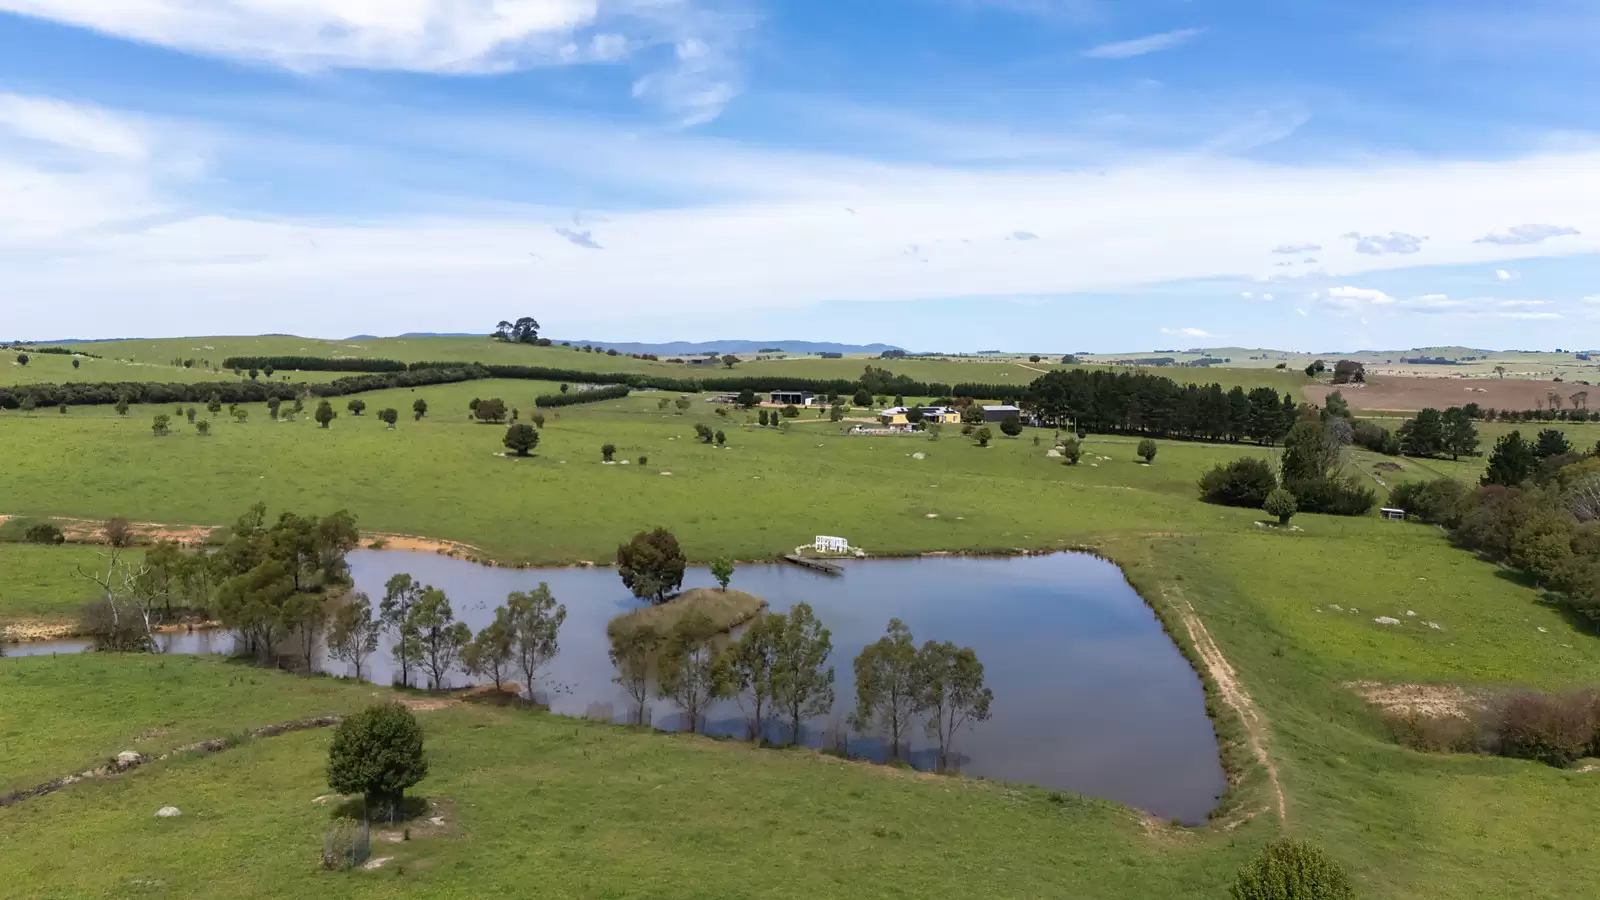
727,609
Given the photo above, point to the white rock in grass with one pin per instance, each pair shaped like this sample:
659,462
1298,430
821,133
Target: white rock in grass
1543,630
1435,626
1411,612
168,812
919,455
1387,620
1335,607
936,515
1053,454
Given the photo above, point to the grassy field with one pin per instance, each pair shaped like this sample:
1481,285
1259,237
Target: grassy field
41,582
599,810
768,491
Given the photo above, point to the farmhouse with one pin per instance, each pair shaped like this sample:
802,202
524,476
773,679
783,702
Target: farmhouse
931,415
793,398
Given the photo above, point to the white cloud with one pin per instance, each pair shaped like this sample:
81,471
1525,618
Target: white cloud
72,127
1515,303
584,238
1592,298
1541,316
1301,311
1296,249
1434,303
749,228
1351,298
1528,234
1379,244
1248,295
1266,296
1186,332
1152,43
1505,275
453,37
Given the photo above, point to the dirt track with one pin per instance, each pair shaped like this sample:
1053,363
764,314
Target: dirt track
1398,394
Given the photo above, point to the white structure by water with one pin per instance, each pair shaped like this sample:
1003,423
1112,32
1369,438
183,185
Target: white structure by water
826,544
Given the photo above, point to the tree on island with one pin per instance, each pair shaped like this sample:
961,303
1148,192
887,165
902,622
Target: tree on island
722,570
888,690
652,565
521,439
378,754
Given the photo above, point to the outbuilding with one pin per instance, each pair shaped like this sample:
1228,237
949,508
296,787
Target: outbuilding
1000,413
793,398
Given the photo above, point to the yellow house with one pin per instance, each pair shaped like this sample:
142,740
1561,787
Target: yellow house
895,417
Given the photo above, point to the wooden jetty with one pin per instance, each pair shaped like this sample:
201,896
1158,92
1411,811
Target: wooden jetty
817,565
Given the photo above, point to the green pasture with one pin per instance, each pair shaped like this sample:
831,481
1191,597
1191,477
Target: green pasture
767,491
39,582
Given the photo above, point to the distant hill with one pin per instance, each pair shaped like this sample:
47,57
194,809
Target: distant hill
694,348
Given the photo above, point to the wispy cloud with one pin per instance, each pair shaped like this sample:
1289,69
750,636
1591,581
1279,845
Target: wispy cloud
1296,249
1353,298
1022,236
1505,275
1153,43
1186,332
1379,244
1527,234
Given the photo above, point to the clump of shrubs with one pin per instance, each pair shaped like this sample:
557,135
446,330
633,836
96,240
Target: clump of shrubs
43,533
1436,502
1244,482
1434,734
1555,729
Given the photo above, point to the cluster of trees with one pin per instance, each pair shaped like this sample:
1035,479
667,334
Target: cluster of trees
1306,479
1537,513
136,596
428,640
594,395
1141,403
706,435
524,330
1432,433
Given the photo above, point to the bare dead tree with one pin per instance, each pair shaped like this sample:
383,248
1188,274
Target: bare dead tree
128,600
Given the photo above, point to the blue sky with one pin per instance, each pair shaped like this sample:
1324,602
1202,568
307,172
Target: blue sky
1104,175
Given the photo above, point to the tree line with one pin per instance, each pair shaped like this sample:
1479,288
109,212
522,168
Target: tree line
227,392
593,395
1141,403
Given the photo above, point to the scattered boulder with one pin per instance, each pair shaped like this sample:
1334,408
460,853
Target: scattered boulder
1053,454
1387,620
168,812
919,455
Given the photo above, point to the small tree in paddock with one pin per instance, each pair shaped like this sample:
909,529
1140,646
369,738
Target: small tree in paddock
762,417
722,570
419,408
863,398
1292,870
214,404
534,620
491,410
836,414
22,359
683,404
802,687
521,439
889,693
299,406
189,414
689,672
983,436
704,433
652,565
1011,426
203,427
729,361
353,634
378,754
1071,451
537,419
241,415
953,693
61,408
721,438
254,373
273,405
267,371
356,406
607,451
118,532
472,405
122,405
1281,505
389,417
1147,451
633,652
747,398
565,387
161,425
325,413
